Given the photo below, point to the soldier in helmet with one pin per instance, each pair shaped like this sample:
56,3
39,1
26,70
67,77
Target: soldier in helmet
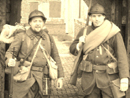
34,86
104,57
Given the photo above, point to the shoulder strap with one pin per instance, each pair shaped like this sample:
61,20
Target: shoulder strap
30,51
109,53
23,38
51,43
47,56
38,42
84,34
85,31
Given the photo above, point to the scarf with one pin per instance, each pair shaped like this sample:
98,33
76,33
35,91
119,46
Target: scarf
100,35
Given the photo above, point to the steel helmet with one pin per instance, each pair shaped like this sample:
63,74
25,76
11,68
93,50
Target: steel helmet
36,13
97,9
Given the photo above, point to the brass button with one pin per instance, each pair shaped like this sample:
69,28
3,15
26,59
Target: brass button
97,71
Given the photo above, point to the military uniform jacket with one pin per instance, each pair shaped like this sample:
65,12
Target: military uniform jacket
99,56
22,47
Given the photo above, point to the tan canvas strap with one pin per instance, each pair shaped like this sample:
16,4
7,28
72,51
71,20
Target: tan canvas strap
30,51
86,27
45,54
109,53
48,57
35,52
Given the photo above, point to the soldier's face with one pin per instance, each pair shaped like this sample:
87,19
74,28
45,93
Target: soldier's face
37,24
97,19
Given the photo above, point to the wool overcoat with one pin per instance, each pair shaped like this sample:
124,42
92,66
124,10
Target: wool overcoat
23,43
99,56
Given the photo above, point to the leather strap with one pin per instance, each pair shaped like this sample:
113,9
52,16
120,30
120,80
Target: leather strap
99,67
30,51
35,68
109,53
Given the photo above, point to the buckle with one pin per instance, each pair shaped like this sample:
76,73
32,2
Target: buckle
96,70
34,68
40,69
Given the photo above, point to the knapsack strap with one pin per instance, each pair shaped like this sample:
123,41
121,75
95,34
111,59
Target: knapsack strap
45,52
39,42
109,53
30,51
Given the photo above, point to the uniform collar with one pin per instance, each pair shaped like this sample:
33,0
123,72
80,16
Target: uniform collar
33,35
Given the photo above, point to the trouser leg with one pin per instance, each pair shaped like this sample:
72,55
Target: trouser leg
105,95
96,93
34,92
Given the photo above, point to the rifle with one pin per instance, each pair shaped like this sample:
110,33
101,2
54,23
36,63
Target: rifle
11,76
74,75
11,79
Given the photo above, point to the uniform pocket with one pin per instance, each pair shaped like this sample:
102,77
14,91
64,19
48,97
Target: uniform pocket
85,66
112,68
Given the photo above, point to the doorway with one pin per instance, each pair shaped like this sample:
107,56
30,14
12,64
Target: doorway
13,15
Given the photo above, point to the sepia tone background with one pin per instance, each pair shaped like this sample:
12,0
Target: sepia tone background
64,20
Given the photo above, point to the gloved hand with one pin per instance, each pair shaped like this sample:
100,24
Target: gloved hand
59,83
81,40
124,84
12,62
7,32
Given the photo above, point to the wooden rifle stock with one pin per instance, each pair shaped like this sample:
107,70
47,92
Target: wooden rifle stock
78,59
11,79
74,75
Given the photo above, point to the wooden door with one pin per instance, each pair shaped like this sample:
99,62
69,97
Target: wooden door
13,15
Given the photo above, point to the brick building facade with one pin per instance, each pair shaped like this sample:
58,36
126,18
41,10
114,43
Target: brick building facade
62,12
70,13
51,8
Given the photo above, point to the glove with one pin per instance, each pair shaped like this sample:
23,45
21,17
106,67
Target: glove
81,40
12,62
124,84
59,83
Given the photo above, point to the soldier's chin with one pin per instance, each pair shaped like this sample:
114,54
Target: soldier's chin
38,29
97,24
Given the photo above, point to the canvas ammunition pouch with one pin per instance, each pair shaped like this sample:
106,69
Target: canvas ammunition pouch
87,66
17,67
44,69
115,87
112,68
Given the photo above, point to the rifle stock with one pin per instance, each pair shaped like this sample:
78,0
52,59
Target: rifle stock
11,79
74,75
73,78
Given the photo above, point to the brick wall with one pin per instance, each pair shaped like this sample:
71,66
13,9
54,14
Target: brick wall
54,9
25,10
42,5
78,24
56,28
2,13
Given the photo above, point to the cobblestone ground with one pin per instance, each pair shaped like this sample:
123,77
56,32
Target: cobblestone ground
68,91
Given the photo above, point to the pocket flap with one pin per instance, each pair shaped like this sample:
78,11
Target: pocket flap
116,82
86,66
